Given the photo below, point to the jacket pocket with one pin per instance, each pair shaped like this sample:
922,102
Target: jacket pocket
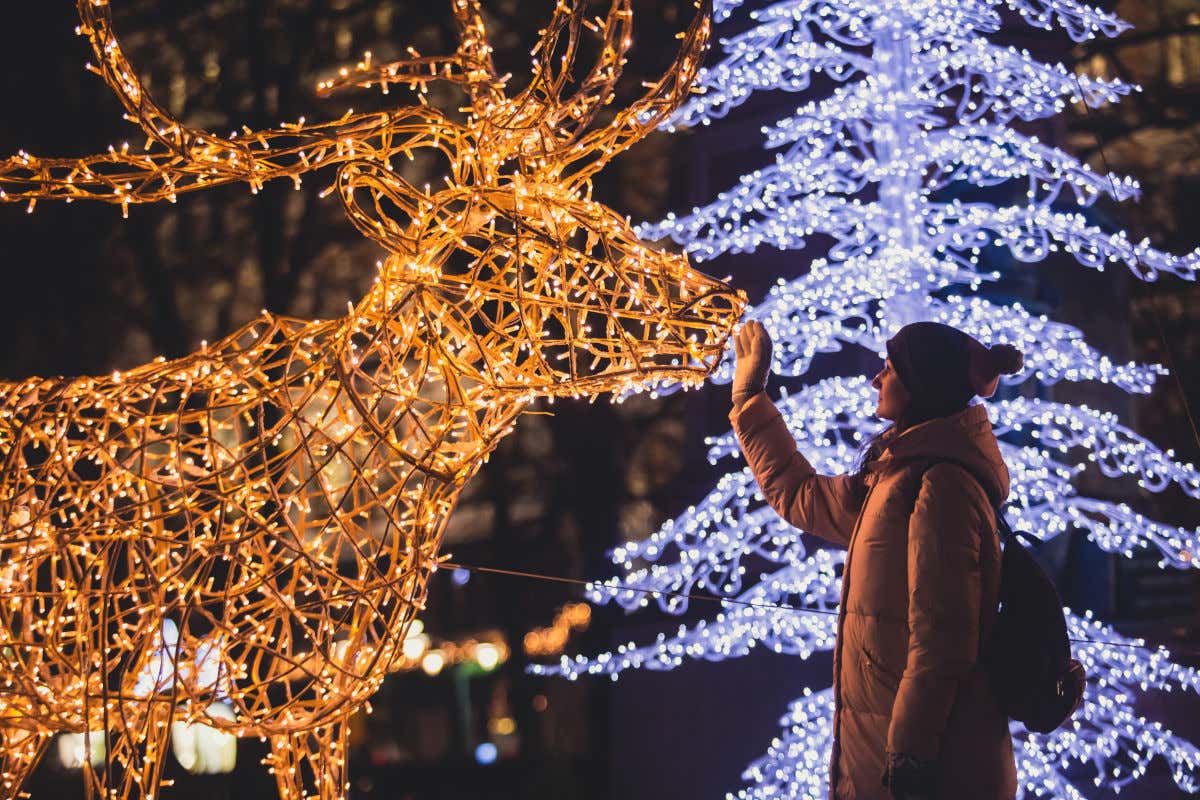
874,667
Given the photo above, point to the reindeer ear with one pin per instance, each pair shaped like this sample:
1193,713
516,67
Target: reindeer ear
381,204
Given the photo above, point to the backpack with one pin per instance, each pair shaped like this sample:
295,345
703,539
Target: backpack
1028,656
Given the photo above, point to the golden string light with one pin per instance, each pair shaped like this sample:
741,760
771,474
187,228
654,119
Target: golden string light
240,538
550,641
488,649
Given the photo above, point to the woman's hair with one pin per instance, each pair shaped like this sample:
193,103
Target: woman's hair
871,449
876,443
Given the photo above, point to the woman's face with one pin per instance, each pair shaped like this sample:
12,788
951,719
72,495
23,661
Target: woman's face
893,397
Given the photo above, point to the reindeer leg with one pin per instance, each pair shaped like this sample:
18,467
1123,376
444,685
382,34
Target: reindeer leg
157,739
322,750
20,751
141,749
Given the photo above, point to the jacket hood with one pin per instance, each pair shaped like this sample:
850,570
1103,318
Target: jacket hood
964,438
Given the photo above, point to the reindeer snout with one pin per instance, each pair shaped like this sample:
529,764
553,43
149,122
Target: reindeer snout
705,321
715,311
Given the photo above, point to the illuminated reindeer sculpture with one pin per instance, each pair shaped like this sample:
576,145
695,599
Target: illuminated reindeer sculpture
254,525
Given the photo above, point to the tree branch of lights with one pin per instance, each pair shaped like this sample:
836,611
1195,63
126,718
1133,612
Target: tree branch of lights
920,111
234,543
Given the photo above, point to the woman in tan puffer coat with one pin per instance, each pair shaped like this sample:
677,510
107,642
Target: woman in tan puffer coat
915,717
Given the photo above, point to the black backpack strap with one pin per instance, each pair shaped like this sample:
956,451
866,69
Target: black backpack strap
1010,534
1006,531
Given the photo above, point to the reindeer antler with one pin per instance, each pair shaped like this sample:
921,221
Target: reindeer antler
648,112
471,65
179,158
535,124
538,121
567,118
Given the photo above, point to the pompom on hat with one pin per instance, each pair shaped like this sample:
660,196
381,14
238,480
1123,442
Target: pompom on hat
986,364
942,368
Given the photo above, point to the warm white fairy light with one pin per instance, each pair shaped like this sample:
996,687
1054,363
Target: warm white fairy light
551,640
234,543
921,103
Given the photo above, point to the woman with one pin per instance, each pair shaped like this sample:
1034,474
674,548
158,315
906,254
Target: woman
914,716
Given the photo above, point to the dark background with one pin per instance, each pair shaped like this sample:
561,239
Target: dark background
85,292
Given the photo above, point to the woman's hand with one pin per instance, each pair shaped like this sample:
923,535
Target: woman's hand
752,346
909,778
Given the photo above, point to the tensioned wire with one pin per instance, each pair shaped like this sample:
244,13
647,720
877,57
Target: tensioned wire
745,603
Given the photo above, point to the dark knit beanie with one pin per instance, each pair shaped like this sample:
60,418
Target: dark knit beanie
943,368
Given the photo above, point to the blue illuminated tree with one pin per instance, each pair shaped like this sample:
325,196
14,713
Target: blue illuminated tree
922,108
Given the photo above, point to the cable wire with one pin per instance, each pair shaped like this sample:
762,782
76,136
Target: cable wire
734,601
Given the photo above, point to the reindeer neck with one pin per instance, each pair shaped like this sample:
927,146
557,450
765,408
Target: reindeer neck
404,338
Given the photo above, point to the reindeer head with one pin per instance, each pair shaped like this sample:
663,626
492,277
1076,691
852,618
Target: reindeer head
545,291
551,292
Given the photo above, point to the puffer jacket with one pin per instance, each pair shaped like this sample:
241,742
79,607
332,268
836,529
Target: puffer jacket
919,594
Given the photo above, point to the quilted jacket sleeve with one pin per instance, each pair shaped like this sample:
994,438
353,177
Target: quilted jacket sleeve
944,587
818,504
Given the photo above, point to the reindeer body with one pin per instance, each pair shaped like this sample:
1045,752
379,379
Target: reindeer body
257,522
236,482
321,520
